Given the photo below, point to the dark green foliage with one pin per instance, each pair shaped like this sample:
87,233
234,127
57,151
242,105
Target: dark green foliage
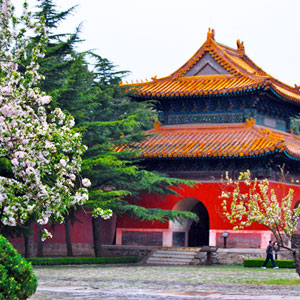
63,67
14,231
113,119
108,118
147,214
5,167
17,281
295,125
82,260
52,17
105,72
258,262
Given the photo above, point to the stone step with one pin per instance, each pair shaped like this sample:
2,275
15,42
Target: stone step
176,252
175,255
168,263
171,258
153,260
187,249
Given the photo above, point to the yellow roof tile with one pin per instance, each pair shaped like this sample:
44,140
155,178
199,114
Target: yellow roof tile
232,140
243,75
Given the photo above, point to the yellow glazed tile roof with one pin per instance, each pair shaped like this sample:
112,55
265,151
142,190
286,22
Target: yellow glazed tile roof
232,141
242,75
198,85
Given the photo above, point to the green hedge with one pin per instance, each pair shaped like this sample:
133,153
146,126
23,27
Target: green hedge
258,262
81,260
17,281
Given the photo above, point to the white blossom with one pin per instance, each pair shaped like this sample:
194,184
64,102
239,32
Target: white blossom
63,162
36,146
246,202
86,182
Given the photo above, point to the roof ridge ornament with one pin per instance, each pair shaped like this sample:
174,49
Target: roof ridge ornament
211,34
297,88
268,133
250,122
157,124
240,47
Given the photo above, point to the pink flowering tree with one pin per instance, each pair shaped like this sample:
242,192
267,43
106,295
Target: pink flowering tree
247,201
43,149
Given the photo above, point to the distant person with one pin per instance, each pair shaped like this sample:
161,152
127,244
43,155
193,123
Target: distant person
270,256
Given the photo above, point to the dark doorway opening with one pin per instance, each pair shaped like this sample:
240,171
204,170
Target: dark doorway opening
199,231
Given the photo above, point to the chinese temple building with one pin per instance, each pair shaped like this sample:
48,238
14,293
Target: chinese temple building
218,112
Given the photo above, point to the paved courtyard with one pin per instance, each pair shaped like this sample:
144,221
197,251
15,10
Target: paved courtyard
162,282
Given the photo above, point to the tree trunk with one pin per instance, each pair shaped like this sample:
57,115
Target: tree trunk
29,240
296,257
68,236
39,242
96,237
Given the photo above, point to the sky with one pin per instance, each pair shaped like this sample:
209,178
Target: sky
156,37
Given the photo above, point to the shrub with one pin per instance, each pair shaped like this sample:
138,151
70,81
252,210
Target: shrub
81,260
17,281
258,262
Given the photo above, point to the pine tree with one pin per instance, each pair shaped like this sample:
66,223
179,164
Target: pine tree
295,125
108,118
113,119
66,74
61,62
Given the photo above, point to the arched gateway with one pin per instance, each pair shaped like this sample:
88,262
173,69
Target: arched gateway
191,233
199,231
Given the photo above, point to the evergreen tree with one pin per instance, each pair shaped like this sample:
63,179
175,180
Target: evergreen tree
61,63
295,125
108,119
66,76
111,120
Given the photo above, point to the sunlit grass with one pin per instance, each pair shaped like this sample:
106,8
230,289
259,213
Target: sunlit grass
273,282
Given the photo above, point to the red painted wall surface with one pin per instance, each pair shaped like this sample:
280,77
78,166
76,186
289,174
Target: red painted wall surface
238,240
81,231
208,193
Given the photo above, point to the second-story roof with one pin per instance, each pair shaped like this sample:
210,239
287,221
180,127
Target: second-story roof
242,140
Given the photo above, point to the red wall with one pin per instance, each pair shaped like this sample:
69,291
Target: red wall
208,193
81,230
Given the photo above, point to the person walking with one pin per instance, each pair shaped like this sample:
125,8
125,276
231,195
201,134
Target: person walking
270,256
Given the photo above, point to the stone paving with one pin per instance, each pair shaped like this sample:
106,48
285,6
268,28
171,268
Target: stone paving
135,282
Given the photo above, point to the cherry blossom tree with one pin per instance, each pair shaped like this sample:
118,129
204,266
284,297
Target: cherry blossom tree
247,201
43,149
